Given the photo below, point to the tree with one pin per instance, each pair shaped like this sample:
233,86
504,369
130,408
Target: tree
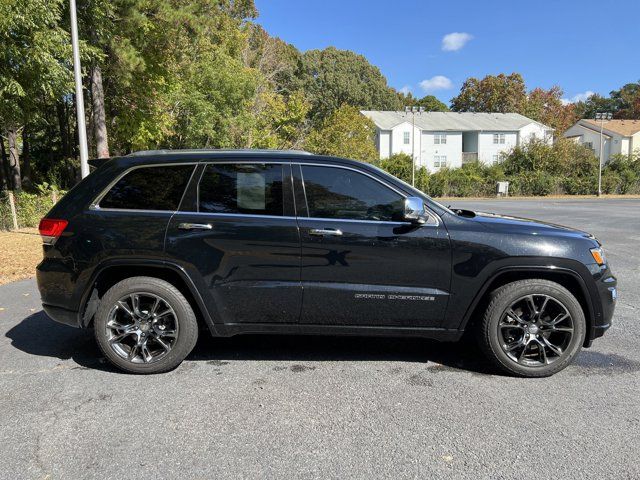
494,93
546,106
429,102
33,67
345,133
595,103
332,78
627,101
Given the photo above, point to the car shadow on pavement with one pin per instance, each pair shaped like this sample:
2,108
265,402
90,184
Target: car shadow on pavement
38,335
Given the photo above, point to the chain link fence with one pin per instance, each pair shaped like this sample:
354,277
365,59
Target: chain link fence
22,209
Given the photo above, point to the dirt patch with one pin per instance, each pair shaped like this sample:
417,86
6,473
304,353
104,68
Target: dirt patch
20,252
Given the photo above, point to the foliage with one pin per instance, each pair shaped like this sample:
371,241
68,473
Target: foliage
494,93
622,174
344,133
536,168
546,107
429,102
333,77
30,207
33,57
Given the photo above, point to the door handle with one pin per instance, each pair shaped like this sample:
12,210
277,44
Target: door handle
195,226
325,231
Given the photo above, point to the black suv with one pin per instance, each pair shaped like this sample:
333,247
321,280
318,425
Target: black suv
153,247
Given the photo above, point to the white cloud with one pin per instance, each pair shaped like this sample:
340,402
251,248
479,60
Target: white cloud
406,90
439,82
580,97
453,42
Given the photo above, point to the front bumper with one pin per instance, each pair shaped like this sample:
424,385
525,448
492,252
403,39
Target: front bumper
607,289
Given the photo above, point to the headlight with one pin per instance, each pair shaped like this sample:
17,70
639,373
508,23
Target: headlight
598,255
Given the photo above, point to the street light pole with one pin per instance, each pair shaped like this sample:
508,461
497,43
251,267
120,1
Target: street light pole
413,111
602,116
77,73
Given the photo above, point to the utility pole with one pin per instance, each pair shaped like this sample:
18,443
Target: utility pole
77,72
413,110
602,116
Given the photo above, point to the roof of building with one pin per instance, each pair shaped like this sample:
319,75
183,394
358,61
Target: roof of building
626,128
454,121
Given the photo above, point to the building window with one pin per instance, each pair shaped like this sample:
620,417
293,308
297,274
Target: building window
440,138
495,158
498,138
407,138
439,161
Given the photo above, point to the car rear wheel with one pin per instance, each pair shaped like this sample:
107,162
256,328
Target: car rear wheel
145,325
532,328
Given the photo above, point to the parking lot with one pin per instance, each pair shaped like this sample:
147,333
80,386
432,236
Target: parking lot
303,407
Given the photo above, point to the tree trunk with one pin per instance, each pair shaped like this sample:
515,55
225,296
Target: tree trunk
3,166
14,159
26,159
99,117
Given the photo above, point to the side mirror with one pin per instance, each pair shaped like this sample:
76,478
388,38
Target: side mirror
414,211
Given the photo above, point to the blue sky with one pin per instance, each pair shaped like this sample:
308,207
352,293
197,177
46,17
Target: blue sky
582,46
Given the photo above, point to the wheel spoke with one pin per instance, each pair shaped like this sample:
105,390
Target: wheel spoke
160,342
135,303
121,336
542,308
124,307
133,352
155,306
543,351
524,350
513,315
532,307
555,349
513,346
145,353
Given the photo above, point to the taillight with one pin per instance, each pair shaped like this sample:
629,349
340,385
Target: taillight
50,229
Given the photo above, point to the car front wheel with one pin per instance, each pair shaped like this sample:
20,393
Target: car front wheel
145,325
532,328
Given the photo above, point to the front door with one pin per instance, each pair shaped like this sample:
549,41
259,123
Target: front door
236,231
361,263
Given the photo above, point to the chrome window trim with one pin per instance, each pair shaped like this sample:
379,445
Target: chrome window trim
95,205
436,219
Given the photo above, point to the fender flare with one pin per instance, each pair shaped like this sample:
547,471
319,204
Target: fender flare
140,262
591,314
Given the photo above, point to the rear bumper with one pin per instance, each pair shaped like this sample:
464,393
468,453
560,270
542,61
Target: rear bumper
62,315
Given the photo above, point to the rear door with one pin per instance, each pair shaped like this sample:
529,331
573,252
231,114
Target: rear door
361,263
237,235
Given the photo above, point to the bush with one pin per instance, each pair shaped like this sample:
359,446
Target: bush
622,174
30,207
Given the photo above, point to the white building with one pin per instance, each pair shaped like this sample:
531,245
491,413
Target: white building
453,138
618,136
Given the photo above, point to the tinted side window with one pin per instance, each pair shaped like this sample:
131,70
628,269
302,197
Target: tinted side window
149,188
340,193
241,188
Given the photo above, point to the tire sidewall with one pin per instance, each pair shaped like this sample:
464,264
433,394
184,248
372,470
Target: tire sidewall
504,299
187,324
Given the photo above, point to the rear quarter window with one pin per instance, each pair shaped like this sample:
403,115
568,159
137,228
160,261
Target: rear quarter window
149,188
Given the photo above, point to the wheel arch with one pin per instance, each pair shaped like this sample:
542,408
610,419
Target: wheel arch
568,278
110,273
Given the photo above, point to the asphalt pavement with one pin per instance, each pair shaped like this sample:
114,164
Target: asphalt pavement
327,407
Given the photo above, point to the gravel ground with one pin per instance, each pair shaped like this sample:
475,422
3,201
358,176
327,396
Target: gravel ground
309,407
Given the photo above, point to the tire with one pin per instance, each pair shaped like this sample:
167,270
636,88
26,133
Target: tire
518,314
152,334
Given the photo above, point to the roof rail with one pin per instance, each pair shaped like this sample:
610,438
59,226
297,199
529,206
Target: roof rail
216,150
